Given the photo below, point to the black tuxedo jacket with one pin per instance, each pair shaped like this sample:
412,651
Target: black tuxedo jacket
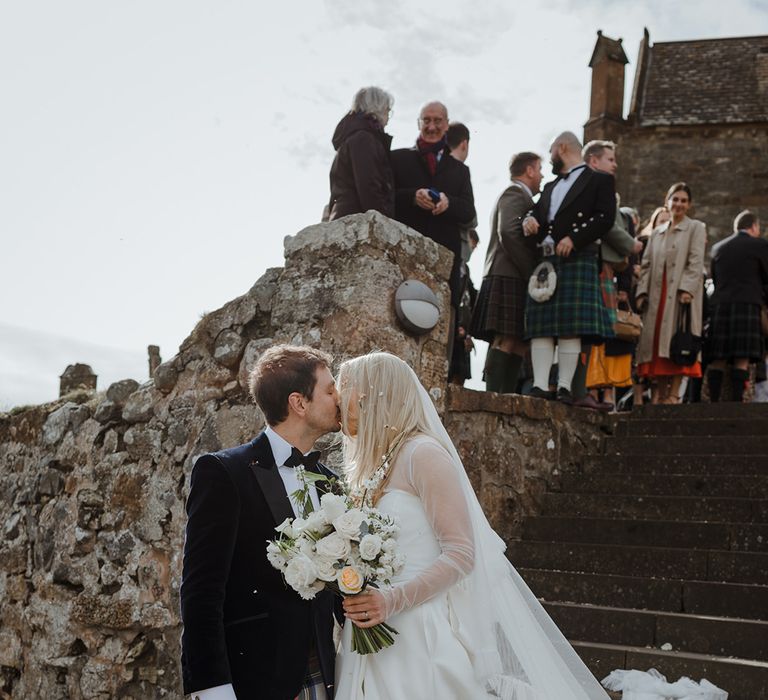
586,214
452,177
242,623
740,270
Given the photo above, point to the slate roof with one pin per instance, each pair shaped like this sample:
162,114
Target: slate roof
711,81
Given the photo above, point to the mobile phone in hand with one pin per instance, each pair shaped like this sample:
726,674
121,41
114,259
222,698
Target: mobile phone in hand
434,195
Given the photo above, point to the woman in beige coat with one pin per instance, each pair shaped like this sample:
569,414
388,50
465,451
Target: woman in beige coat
671,275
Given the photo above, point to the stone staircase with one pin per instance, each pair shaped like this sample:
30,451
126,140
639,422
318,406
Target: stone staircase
655,555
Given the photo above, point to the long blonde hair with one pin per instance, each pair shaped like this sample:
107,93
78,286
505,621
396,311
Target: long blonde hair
389,411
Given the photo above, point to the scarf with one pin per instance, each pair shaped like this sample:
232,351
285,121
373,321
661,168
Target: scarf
429,151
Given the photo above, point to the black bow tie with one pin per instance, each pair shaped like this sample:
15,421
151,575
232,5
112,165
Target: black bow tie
571,171
309,460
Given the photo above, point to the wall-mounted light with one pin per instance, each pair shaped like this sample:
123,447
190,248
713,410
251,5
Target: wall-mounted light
416,306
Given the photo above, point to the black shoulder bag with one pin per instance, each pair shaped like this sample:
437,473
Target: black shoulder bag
685,346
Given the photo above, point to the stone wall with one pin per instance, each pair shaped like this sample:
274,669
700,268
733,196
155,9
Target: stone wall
92,486
725,166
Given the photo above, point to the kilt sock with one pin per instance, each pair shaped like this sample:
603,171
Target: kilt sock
715,383
568,352
739,379
542,357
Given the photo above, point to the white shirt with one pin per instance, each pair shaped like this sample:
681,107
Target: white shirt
561,189
281,451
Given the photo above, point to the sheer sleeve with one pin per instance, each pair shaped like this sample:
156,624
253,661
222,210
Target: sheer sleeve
431,474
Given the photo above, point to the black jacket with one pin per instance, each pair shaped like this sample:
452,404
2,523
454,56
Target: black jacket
242,623
740,270
586,214
361,175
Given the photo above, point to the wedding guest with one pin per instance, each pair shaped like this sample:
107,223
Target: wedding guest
361,174
671,279
246,634
433,192
740,275
660,216
572,213
499,314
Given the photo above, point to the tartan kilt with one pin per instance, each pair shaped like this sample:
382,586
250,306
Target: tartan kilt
734,332
576,309
500,308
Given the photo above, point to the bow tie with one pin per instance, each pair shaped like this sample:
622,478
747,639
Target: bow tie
571,171
309,460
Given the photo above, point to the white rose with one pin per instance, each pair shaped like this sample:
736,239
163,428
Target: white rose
385,559
325,570
333,546
333,506
300,572
309,592
306,546
316,522
388,546
370,546
348,524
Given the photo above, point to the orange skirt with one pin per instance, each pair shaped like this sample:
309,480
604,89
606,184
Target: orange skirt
663,366
604,371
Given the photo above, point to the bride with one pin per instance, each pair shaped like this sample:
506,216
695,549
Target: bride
468,625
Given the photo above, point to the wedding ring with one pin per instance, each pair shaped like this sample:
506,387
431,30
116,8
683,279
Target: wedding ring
367,616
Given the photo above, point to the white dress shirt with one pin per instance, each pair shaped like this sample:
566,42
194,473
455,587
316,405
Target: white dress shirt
561,189
281,451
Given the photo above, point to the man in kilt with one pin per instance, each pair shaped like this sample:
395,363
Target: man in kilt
740,274
499,313
571,216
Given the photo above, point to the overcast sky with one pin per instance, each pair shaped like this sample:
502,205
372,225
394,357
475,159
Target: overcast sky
153,155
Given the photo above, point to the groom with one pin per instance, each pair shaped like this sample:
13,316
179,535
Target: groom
246,634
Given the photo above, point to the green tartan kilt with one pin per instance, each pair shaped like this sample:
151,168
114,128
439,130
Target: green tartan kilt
576,309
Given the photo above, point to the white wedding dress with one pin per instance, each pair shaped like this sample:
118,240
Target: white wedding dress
469,628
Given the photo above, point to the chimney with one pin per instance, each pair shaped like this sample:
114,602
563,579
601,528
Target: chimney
606,113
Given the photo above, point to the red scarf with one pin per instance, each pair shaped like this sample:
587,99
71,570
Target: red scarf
429,151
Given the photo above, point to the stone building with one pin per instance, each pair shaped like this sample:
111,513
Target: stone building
77,376
698,113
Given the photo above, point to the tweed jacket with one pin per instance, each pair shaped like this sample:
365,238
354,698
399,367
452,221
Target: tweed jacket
510,252
680,250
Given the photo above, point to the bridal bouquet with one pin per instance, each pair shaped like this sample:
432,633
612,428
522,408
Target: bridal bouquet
344,547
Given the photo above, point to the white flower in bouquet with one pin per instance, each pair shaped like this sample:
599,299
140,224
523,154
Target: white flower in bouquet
370,546
348,524
333,506
286,528
306,546
333,546
317,522
276,557
300,573
388,546
326,571
298,526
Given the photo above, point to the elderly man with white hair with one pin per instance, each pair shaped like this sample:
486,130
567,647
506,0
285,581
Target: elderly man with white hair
361,175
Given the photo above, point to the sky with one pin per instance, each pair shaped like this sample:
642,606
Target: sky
154,155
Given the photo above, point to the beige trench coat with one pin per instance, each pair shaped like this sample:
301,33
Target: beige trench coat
681,250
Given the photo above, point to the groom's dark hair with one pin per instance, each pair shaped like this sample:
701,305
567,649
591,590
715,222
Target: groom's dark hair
281,371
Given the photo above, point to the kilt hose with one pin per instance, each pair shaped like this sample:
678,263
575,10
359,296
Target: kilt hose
500,308
734,332
576,309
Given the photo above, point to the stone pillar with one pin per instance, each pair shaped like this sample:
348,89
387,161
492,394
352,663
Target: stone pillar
154,358
606,111
77,376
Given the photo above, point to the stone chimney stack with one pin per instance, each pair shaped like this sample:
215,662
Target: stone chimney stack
153,351
606,113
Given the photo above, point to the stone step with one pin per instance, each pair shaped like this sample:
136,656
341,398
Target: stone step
687,445
731,485
733,427
739,537
743,679
658,562
675,464
677,508
714,411
673,595
698,634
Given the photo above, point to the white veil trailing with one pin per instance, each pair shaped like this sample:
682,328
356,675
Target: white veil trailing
516,648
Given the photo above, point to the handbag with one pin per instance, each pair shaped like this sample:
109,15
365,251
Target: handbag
628,324
685,346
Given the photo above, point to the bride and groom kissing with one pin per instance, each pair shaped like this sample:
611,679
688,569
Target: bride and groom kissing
468,625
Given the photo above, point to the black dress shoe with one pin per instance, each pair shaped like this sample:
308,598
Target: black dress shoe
564,396
537,393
